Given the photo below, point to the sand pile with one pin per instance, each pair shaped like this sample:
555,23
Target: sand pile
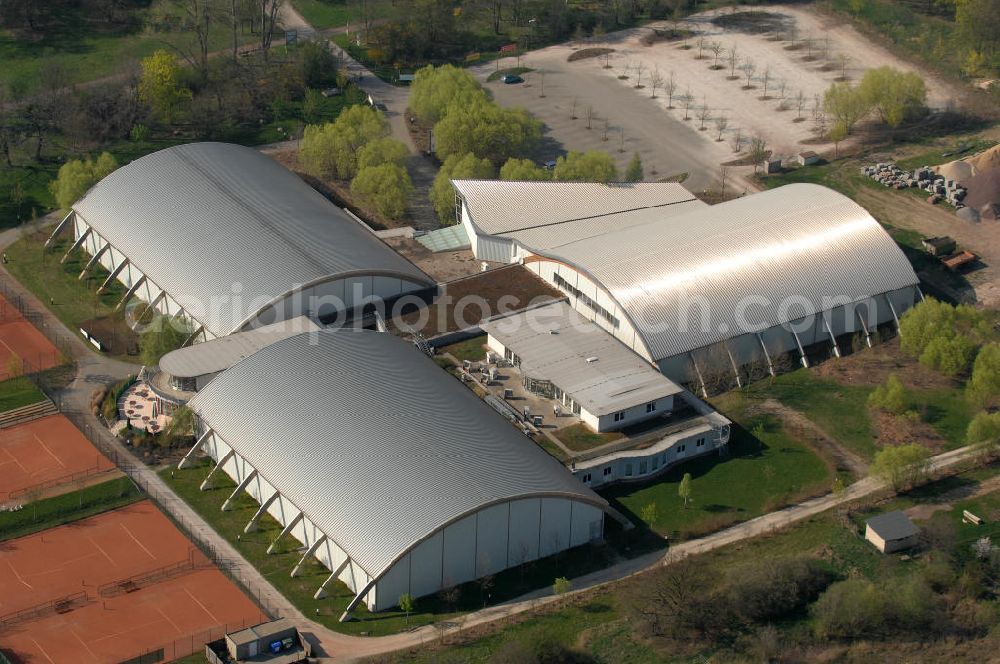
986,160
959,170
984,189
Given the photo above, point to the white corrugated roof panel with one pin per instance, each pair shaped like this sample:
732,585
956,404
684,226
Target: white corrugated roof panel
223,229
373,441
556,343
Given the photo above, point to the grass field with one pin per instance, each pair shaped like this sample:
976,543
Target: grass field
73,301
579,437
68,507
17,392
473,349
759,475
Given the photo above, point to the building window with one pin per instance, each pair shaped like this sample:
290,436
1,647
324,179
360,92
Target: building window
681,449
628,470
656,462
583,297
651,407
642,467
586,478
607,471
701,441
619,416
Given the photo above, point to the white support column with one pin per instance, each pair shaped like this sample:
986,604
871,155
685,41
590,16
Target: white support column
207,484
131,291
357,599
920,293
252,525
93,260
194,334
829,330
76,245
767,356
194,450
732,362
309,552
321,593
284,531
152,306
59,228
864,326
802,351
239,489
114,275
895,317
704,390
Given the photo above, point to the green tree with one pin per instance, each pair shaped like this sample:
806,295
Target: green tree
486,129
458,167
650,514
561,585
385,187
895,95
382,151
435,89
160,86
523,170
983,388
76,177
162,335
978,22
684,490
317,65
890,397
180,426
984,433
942,336
950,355
634,171
407,605
332,149
590,166
845,106
902,466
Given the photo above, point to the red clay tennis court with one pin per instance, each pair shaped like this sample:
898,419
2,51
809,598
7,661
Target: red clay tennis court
131,583
43,453
21,340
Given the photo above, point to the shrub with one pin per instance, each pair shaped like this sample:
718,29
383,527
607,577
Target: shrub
984,384
901,466
435,90
890,397
590,166
76,177
767,591
442,192
385,187
331,150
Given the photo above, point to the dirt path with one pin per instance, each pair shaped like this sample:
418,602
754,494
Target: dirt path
844,458
945,501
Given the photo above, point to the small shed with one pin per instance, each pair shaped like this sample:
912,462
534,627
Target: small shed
939,246
275,642
773,164
891,532
807,158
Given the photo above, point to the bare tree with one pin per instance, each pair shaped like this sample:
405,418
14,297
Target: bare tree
721,122
655,80
734,60
607,60
639,69
621,139
717,50
625,67
604,134
702,43
723,172
670,89
541,83
737,139
817,105
748,68
765,78
572,110
590,116
782,87
704,114
800,102
687,100
825,48
758,151
809,47
842,61
268,21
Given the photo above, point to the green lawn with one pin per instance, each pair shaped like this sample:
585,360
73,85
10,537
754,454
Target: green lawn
68,507
473,349
947,410
71,300
840,410
758,476
323,14
579,437
18,392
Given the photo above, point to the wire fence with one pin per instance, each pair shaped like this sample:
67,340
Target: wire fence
58,605
14,305
190,644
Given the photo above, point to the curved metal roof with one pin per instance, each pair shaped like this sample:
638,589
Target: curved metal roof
373,441
206,221
741,266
